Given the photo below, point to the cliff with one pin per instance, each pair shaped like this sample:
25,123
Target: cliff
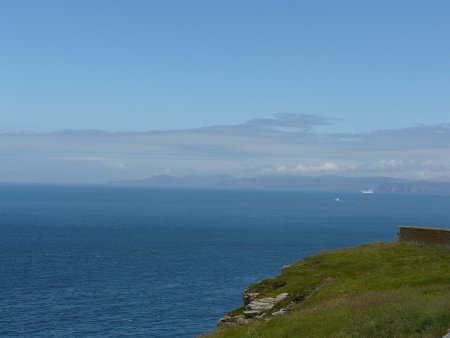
376,290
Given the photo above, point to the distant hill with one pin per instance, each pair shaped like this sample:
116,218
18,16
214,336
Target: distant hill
415,186
294,182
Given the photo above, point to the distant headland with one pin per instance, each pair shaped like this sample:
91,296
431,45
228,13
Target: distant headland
297,183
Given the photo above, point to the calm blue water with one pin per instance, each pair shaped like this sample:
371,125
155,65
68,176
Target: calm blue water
107,261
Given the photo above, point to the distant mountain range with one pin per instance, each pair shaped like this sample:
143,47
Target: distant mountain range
298,183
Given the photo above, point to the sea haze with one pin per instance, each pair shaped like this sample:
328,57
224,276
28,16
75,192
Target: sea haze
129,261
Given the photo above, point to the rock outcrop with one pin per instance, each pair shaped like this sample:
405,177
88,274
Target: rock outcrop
258,308
255,309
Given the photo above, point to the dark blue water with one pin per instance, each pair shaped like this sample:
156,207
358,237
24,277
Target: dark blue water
107,261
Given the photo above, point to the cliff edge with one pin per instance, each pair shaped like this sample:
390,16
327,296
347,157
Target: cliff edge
375,290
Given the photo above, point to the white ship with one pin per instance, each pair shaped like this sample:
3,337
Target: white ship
367,191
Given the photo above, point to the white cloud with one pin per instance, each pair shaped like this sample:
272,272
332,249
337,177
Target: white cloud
313,168
321,168
285,144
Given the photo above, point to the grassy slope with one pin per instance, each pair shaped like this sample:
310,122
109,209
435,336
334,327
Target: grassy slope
374,290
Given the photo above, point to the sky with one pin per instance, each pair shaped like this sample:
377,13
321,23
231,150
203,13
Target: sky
102,90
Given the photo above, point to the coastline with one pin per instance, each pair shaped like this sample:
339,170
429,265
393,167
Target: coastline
376,279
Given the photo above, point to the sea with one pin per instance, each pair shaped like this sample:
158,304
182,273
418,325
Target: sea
107,261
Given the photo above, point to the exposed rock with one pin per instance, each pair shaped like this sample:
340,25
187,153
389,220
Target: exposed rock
241,320
287,308
249,296
231,321
279,312
260,309
260,317
284,267
225,319
447,335
251,313
255,310
263,304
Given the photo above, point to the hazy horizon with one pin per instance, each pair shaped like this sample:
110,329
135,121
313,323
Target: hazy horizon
96,91
287,144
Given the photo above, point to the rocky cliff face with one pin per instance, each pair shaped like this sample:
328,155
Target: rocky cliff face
256,309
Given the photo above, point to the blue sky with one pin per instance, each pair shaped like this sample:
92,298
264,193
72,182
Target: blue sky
139,66
145,65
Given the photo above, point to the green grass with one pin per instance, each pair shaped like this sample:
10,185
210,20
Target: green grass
374,290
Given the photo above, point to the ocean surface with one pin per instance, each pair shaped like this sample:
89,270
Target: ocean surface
98,261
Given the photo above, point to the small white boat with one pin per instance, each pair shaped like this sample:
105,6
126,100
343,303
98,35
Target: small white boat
337,199
367,191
